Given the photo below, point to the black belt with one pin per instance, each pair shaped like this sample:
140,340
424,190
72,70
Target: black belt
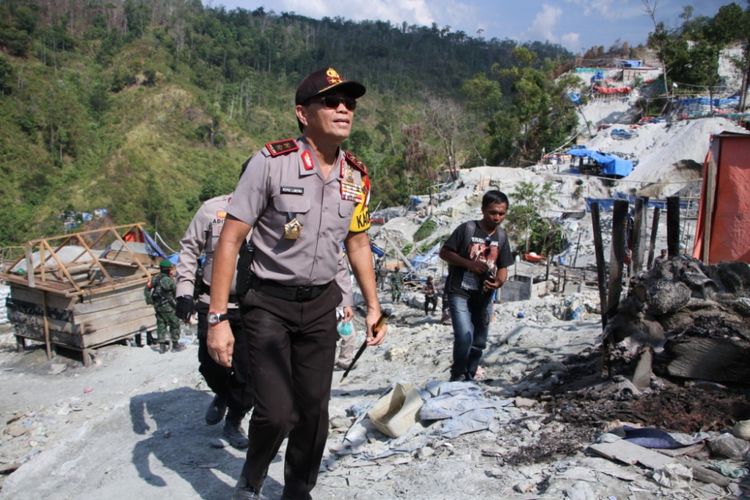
204,288
293,293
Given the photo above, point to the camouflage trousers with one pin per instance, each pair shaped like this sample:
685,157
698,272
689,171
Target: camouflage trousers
167,319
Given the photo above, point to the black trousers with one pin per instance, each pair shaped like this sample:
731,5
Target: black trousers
230,384
292,346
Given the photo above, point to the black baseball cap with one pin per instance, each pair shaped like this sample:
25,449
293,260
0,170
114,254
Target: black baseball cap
324,80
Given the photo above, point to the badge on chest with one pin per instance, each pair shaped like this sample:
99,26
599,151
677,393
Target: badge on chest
292,228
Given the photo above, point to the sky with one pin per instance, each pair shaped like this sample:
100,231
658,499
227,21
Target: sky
574,24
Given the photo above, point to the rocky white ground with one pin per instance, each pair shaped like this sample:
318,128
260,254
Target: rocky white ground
131,425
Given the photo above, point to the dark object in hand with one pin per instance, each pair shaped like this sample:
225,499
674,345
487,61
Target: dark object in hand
185,307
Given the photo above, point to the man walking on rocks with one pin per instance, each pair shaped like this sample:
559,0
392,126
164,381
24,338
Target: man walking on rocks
478,255
232,391
302,197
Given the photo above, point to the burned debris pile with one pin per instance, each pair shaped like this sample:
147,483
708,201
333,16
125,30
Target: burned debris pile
691,319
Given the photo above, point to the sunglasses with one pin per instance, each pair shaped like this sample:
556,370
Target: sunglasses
334,101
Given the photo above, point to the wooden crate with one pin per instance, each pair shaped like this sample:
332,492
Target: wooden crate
71,291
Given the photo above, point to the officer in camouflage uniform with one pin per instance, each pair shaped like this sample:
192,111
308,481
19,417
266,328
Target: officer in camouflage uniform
396,284
162,291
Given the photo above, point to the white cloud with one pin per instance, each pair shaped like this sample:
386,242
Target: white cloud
610,9
544,24
395,11
571,41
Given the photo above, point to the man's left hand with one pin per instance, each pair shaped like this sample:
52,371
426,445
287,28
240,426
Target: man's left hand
375,337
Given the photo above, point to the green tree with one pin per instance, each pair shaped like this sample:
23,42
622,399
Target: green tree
6,76
526,225
538,115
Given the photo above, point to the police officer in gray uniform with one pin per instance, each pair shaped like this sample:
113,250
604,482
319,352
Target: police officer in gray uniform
301,197
228,384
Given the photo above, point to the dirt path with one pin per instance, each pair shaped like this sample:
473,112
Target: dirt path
131,426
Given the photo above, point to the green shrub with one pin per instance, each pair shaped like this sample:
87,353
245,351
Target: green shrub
426,229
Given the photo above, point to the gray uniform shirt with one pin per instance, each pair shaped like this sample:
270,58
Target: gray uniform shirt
201,237
344,281
276,189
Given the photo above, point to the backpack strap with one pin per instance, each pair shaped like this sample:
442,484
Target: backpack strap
469,228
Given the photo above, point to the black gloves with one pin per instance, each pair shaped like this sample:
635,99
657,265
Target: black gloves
185,307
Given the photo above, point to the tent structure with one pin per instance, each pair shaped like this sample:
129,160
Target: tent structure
723,232
609,164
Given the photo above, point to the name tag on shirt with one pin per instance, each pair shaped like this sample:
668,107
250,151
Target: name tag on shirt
292,190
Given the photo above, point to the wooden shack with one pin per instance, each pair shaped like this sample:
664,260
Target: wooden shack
82,290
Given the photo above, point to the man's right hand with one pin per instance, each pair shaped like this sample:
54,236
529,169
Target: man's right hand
220,343
185,307
478,267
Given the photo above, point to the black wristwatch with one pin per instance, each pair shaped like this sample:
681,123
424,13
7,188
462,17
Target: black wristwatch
215,318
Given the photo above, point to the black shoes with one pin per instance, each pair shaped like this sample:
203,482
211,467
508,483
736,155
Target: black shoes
163,347
233,431
216,410
245,493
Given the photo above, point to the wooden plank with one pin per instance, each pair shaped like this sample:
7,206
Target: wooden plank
652,242
638,236
62,266
114,314
617,255
106,335
99,323
709,204
29,267
601,274
631,454
36,323
34,296
119,298
93,256
673,226
47,344
90,340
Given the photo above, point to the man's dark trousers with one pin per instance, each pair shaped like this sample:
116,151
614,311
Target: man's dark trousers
230,384
292,347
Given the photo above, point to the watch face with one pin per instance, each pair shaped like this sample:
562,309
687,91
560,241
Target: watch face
216,318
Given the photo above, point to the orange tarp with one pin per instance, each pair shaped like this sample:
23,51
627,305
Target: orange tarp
723,232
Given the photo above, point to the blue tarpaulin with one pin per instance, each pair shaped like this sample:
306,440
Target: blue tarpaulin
610,164
631,63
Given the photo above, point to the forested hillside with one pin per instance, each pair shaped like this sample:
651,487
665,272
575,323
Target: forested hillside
148,107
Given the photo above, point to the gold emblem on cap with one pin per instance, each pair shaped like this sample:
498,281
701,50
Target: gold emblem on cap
332,76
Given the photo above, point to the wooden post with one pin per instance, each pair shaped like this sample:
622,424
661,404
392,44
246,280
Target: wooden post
29,266
578,245
47,342
601,274
639,226
673,226
652,244
617,255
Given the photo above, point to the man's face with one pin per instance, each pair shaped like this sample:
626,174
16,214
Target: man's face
494,213
327,117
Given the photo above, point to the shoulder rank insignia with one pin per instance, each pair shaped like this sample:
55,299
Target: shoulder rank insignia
282,147
355,162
